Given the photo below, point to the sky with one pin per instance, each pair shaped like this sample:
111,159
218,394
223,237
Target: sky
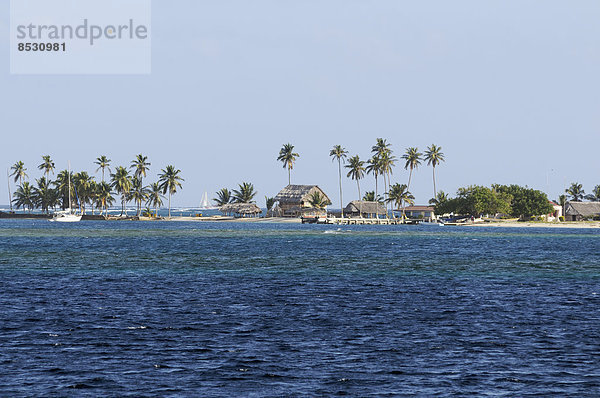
509,89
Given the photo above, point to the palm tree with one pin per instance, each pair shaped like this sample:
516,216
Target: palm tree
44,196
399,195
288,157
595,195
434,156
169,181
382,149
121,183
440,198
374,167
47,165
83,188
62,187
562,201
318,200
356,172
576,192
223,197
269,203
340,154
370,196
140,165
18,171
245,193
103,163
24,197
155,197
413,160
104,197
138,194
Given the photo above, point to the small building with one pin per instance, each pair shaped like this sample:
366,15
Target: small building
358,208
241,210
578,211
293,201
420,212
556,214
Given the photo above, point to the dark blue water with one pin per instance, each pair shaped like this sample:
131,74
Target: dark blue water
180,309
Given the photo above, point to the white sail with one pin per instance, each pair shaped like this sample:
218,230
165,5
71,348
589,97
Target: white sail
69,215
204,203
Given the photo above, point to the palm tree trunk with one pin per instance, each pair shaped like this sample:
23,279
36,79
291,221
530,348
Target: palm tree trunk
340,177
289,176
409,178
434,190
386,195
377,207
359,198
403,212
169,204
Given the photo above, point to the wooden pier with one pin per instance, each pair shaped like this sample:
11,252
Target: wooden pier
355,221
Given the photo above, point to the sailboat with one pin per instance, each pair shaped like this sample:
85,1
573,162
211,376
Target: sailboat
204,204
67,215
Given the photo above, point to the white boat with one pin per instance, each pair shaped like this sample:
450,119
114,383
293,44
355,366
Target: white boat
67,215
205,205
431,223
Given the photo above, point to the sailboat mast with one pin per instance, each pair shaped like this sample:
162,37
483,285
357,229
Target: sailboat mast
69,179
9,195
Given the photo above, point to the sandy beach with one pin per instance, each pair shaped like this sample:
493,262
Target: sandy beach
517,224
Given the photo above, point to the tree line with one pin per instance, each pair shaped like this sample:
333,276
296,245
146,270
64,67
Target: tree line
512,200
126,182
380,164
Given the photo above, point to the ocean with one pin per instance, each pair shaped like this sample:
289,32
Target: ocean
269,310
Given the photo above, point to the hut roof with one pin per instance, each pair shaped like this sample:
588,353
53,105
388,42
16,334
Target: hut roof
357,206
298,193
584,209
240,208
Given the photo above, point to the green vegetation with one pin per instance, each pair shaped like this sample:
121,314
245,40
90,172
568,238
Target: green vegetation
288,157
317,200
223,197
595,195
525,202
399,195
169,181
356,170
269,203
434,156
89,193
244,194
413,160
340,154
511,200
370,197
576,192
18,172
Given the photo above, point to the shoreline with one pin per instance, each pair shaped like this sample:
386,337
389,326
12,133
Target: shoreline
529,224
283,220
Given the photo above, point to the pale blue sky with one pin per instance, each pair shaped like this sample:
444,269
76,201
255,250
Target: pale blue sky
509,89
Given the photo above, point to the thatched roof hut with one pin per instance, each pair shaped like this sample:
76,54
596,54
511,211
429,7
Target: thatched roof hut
293,200
241,209
577,211
367,209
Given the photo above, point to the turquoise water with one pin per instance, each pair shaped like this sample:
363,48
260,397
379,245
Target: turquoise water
230,309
